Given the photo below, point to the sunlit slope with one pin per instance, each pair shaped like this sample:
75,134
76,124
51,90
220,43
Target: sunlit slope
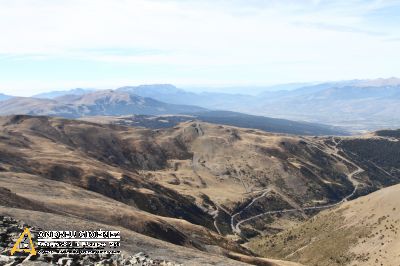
365,231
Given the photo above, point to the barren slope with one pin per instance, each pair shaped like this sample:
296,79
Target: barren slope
360,232
197,185
239,174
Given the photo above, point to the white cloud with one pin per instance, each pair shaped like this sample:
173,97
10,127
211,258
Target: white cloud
280,40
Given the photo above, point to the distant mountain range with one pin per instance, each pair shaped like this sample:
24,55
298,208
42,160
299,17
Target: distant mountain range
124,102
170,94
55,94
95,103
357,105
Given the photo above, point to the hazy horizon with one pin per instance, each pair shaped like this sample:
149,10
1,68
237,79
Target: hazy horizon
230,89
245,89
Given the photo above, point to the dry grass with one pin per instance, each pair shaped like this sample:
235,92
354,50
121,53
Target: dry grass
361,232
167,183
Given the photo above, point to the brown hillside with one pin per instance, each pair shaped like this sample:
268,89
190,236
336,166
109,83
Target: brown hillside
365,231
197,185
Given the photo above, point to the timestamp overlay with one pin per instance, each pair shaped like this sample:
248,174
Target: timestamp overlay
78,242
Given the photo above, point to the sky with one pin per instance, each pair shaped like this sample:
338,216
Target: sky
55,44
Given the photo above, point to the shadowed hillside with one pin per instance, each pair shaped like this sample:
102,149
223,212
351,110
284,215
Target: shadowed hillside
224,118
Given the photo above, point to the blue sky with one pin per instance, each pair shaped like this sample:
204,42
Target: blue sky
55,44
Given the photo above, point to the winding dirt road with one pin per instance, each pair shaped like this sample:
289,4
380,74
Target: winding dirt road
334,151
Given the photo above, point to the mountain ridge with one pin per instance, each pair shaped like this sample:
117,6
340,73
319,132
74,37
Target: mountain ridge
106,102
120,103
